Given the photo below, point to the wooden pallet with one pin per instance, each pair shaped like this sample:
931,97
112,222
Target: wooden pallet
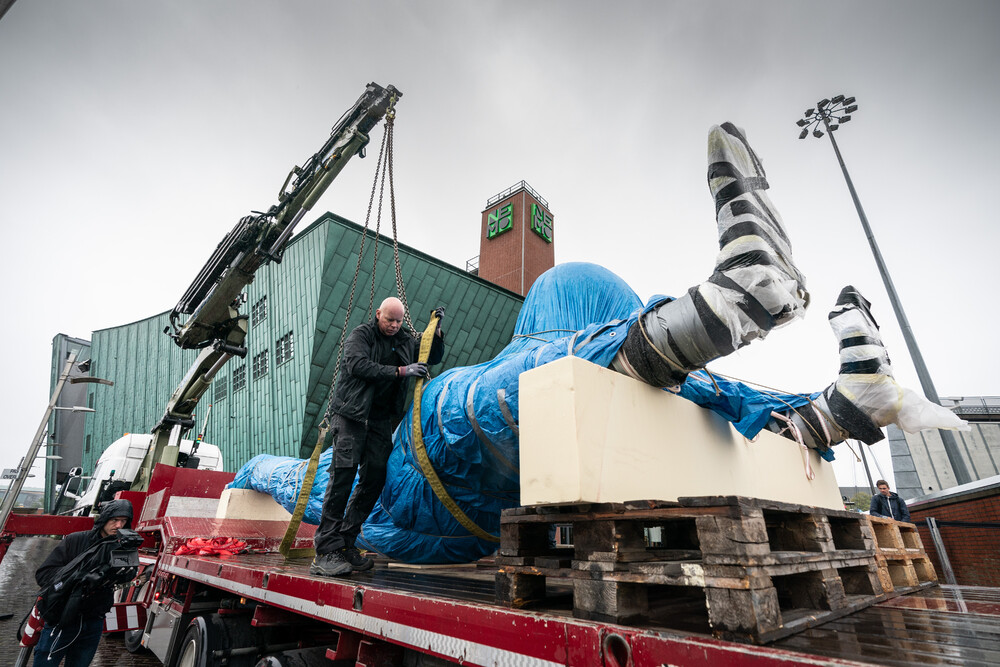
763,569
902,560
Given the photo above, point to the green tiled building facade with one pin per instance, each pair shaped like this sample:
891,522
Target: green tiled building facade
273,400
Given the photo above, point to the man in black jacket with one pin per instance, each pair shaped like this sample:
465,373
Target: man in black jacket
887,504
77,641
378,360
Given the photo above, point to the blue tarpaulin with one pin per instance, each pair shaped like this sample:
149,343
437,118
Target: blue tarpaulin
469,422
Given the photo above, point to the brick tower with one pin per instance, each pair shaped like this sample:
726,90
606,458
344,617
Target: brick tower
515,245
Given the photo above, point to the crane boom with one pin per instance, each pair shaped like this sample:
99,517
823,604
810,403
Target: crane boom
214,323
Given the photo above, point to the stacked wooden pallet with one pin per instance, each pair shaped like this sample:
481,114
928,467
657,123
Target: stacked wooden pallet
903,565
760,569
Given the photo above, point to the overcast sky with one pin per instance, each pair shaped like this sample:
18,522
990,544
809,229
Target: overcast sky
134,134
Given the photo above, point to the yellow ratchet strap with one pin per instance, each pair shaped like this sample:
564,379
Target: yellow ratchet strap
286,549
421,452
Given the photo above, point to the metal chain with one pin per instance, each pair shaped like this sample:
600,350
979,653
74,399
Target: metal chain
354,283
387,137
395,242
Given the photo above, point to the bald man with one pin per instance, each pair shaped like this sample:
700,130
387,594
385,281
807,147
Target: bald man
378,361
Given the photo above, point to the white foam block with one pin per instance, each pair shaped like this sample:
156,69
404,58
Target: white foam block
250,504
589,434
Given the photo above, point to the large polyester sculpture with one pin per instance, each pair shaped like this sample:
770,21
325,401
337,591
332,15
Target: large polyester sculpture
469,416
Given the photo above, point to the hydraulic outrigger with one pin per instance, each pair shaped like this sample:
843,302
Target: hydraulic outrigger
214,324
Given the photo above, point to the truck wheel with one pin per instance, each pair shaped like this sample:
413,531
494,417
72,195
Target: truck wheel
133,640
193,650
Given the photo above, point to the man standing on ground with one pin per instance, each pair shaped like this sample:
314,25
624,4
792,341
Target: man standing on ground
379,358
887,504
77,641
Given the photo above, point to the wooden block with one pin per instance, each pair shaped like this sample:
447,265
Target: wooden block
610,601
515,589
924,570
743,613
723,535
902,573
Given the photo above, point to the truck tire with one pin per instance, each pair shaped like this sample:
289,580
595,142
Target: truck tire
193,651
133,641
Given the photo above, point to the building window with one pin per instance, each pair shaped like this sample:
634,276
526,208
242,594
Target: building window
240,378
221,388
260,365
87,448
259,311
284,349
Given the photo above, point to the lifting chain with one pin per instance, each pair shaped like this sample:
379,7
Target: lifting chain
382,167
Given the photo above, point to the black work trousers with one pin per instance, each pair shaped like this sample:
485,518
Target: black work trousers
358,447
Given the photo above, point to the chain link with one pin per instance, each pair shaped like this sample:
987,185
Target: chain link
384,166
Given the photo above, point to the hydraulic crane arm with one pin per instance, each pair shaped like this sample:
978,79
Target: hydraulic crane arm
214,324
261,237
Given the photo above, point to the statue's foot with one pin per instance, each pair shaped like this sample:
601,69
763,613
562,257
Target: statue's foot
865,396
754,288
755,251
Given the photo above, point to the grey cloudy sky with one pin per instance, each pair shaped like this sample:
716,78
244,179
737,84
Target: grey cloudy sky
134,134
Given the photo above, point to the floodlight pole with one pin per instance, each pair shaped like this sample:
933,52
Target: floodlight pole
824,112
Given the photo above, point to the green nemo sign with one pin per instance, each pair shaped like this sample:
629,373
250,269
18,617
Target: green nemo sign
541,222
500,221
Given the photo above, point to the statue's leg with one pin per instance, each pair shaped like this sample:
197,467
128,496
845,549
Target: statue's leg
865,396
754,288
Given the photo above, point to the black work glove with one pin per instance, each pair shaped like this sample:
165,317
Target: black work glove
439,312
414,370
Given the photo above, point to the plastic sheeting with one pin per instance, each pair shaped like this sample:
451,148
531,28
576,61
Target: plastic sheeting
469,422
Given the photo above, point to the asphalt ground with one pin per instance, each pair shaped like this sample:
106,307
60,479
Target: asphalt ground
17,594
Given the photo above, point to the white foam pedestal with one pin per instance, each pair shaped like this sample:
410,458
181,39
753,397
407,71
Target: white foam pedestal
589,434
250,504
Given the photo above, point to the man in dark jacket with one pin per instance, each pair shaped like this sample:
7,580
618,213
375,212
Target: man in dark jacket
378,360
77,641
887,504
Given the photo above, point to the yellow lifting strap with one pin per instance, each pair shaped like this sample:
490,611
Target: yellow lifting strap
421,452
286,549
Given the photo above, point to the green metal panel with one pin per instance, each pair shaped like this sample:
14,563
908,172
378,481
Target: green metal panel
307,296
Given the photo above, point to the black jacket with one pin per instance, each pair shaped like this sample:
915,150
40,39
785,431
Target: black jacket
361,370
74,544
880,507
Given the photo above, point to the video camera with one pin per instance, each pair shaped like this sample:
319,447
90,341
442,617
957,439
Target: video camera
124,557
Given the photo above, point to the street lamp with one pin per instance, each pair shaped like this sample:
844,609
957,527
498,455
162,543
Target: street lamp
831,114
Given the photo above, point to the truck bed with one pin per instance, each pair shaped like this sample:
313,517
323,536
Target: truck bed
451,610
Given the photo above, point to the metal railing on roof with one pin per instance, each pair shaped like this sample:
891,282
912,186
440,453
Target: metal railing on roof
521,185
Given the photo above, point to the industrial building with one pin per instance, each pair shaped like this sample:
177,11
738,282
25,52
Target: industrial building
273,400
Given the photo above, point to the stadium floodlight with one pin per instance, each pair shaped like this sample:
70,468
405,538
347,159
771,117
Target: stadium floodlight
830,114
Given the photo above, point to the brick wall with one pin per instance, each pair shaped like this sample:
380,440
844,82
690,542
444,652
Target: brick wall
516,256
974,552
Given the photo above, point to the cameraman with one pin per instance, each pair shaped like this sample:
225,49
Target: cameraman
77,640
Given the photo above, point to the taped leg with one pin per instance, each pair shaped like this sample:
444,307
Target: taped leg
755,286
865,396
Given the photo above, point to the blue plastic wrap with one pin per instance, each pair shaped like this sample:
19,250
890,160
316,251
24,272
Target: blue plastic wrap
469,422
281,477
